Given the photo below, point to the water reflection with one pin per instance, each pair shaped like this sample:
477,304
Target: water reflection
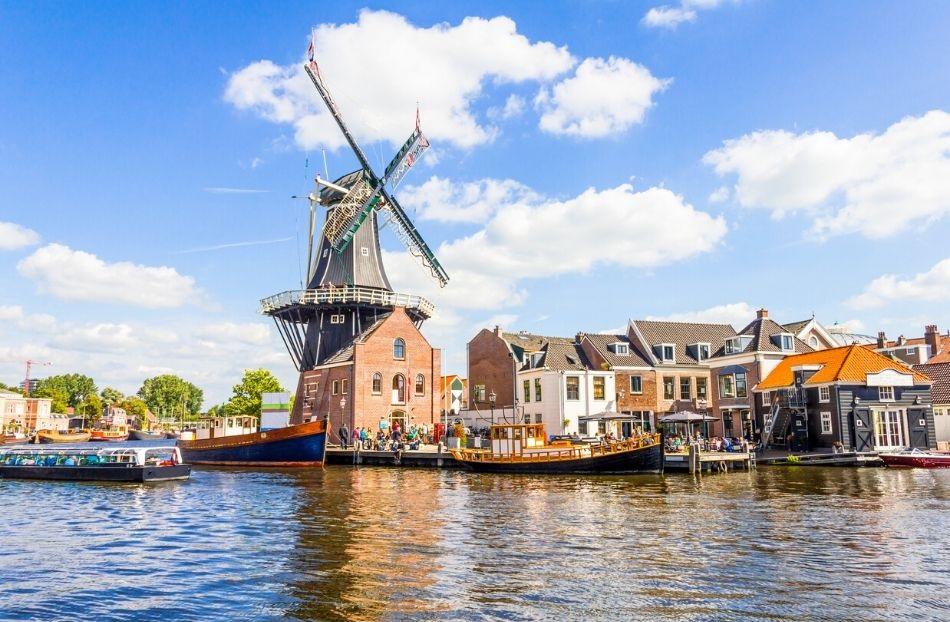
378,544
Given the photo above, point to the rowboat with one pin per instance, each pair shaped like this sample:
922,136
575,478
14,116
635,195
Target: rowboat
236,441
142,435
523,448
916,458
56,436
102,464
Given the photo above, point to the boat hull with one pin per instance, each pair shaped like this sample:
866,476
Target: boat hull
46,438
641,460
108,438
140,435
121,473
916,460
295,446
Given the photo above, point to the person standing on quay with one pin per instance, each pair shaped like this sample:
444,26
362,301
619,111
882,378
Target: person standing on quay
344,436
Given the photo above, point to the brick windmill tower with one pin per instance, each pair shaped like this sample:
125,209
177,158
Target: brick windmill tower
356,342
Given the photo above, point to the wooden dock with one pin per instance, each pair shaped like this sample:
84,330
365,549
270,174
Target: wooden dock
847,459
428,457
709,461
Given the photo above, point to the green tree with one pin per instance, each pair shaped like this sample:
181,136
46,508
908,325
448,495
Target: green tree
75,386
167,395
246,397
59,396
111,397
90,409
135,407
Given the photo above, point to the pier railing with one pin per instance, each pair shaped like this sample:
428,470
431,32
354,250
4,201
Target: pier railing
344,295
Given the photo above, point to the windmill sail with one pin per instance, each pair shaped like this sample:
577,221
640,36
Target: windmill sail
410,153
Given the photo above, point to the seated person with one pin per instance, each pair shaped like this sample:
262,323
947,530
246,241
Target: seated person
726,444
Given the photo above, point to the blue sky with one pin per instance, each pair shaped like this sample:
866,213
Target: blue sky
788,155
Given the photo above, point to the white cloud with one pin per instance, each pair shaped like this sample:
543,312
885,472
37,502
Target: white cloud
229,332
37,322
736,314
443,200
14,236
379,68
534,238
602,98
77,275
720,195
932,285
671,16
514,106
873,184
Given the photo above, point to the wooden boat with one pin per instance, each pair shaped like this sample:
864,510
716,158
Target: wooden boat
112,435
142,435
236,441
56,436
523,448
122,464
916,458
14,439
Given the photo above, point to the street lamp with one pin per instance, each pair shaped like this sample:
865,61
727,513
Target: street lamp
491,400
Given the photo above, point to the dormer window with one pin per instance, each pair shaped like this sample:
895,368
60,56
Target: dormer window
620,349
787,342
668,352
702,351
732,345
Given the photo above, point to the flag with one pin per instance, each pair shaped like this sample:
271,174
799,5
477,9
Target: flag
310,48
417,117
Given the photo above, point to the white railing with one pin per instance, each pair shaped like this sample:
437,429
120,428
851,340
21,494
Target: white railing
345,295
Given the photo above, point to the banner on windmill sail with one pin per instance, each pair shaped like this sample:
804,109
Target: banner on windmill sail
410,153
275,410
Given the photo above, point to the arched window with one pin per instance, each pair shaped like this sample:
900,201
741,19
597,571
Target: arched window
420,384
399,389
813,341
377,383
399,348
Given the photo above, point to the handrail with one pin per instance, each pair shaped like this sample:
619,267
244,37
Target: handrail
555,454
344,295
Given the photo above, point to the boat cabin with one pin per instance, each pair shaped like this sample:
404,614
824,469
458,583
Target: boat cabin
217,427
514,439
94,456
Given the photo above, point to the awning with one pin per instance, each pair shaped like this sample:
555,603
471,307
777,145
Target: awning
685,416
607,415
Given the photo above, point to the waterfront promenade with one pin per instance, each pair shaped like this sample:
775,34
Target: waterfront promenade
425,544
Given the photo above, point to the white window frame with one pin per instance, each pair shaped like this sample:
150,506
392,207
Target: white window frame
733,345
567,394
636,391
766,398
813,341
791,342
621,349
672,347
826,425
824,394
337,318
881,397
699,350
364,251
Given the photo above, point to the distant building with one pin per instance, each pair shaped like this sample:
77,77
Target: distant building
932,347
851,395
939,374
34,382
812,333
453,394
28,413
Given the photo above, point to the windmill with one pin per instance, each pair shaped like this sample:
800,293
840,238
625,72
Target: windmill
347,291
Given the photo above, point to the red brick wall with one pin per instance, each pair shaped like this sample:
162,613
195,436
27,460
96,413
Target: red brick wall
752,378
489,364
645,401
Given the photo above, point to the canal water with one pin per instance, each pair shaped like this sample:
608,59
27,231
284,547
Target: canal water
798,543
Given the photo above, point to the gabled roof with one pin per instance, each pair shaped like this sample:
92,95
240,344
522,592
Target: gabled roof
682,334
600,343
939,373
560,356
345,353
763,329
847,365
531,342
796,327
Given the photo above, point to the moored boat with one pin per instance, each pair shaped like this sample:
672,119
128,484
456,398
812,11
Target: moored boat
111,435
47,437
13,439
916,458
142,435
236,441
523,448
122,464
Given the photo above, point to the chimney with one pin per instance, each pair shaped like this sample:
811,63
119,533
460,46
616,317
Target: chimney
932,339
578,337
762,313
497,330
881,339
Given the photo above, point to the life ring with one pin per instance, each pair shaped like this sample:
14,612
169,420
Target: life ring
722,466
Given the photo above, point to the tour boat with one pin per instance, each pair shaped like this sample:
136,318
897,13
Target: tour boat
142,435
523,448
122,464
56,436
916,458
236,441
14,438
112,435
